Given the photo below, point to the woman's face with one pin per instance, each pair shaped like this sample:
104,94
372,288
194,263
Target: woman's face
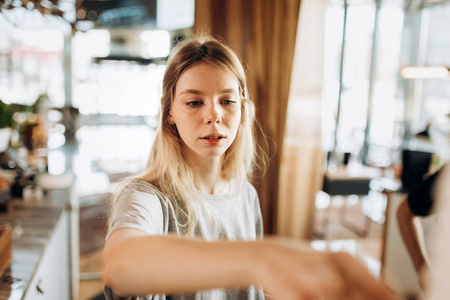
206,110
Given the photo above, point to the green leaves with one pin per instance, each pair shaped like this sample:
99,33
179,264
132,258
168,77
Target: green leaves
6,115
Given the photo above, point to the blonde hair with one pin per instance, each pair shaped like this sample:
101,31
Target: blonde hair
167,168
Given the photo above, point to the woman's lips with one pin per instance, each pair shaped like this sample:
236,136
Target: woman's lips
212,140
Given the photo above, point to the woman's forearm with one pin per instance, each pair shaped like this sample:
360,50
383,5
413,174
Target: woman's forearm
286,269
411,235
169,264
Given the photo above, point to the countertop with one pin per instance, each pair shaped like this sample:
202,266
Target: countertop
32,223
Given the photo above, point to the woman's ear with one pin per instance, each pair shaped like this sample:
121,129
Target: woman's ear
169,117
170,120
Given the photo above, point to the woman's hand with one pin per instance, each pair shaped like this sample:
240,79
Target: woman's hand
292,270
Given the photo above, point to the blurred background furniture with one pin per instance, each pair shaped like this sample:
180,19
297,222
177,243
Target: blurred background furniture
346,180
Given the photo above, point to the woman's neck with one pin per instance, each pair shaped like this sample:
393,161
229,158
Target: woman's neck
210,176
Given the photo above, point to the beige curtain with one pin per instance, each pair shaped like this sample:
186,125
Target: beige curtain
302,160
263,34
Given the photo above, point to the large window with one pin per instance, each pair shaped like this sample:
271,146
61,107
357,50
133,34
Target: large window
435,92
426,99
370,107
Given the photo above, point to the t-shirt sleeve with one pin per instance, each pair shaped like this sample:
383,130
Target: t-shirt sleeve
259,221
420,198
258,215
137,209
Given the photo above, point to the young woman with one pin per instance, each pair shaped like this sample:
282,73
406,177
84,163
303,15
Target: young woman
190,225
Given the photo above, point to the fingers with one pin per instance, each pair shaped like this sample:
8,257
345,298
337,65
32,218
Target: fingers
308,276
298,272
359,282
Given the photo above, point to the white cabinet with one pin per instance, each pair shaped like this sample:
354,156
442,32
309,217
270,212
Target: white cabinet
52,280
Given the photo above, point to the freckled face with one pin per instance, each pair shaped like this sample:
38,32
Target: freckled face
206,111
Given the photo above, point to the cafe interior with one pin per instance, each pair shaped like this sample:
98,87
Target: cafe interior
346,94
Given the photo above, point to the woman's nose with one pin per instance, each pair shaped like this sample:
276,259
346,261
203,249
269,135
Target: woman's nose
213,115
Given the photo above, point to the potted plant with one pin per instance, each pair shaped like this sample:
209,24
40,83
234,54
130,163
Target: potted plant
6,123
30,122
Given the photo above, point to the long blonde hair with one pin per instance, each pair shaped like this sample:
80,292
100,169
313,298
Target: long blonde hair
167,168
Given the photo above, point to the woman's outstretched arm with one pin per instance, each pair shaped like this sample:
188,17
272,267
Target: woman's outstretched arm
137,264
412,235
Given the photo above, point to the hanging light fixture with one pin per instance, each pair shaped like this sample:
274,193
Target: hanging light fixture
424,72
45,7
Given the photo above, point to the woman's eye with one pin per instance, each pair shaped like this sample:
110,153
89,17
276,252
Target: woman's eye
194,103
228,102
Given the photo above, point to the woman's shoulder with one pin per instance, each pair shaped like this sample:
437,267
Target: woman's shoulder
141,192
249,198
249,191
140,185
137,189
248,186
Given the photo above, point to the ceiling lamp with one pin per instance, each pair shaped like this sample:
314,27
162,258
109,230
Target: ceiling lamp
424,72
45,7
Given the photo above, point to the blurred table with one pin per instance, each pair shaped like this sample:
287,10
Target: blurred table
345,181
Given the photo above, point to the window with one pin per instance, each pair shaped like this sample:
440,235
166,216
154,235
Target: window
367,92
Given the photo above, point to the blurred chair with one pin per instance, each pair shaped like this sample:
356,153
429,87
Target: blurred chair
415,165
344,184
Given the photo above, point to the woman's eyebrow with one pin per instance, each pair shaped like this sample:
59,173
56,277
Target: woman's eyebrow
197,92
228,91
191,91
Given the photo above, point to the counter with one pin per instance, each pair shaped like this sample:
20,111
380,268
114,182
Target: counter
44,247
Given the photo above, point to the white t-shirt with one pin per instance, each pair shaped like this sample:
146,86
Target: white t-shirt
141,206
